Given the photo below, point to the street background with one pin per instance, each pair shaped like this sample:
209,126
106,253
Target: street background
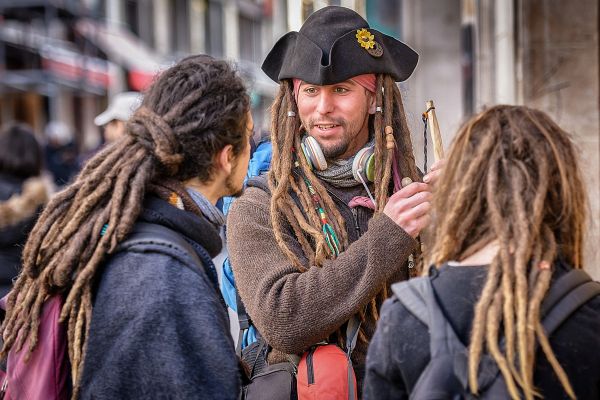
61,60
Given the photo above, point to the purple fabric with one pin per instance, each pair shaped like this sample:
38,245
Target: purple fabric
45,374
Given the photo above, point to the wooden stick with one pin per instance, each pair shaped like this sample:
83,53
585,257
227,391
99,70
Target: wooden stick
434,128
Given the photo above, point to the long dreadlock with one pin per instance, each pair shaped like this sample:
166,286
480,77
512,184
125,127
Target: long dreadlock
517,172
193,110
284,184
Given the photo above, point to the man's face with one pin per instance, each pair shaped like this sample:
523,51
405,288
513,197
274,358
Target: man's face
235,181
114,130
337,116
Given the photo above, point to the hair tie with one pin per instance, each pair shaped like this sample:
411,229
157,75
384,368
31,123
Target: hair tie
157,136
291,114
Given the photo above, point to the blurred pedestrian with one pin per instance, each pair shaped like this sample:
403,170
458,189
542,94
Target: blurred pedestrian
119,110
60,152
146,319
23,192
506,245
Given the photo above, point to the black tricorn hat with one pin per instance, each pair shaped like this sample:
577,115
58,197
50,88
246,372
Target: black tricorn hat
335,44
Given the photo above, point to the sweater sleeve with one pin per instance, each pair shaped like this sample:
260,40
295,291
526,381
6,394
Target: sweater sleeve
158,330
294,310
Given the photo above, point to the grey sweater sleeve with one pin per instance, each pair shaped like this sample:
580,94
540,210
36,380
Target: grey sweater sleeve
158,330
294,310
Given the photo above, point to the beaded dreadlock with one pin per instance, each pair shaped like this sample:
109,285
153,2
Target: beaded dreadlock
513,177
285,131
191,112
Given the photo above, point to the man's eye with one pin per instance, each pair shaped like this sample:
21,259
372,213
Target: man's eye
310,90
341,90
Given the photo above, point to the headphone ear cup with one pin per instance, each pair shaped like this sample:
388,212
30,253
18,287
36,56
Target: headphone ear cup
313,153
306,156
370,167
364,164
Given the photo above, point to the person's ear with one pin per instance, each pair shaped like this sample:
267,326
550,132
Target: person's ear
373,103
224,159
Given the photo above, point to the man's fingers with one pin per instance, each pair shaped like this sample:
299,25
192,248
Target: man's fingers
406,204
418,211
432,177
410,207
410,190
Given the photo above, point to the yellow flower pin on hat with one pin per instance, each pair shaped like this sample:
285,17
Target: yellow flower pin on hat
367,41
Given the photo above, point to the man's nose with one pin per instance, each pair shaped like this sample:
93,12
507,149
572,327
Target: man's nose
325,104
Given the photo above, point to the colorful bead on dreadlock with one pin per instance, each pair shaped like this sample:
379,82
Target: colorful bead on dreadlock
330,237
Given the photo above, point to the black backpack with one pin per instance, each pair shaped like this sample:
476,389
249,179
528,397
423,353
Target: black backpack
445,377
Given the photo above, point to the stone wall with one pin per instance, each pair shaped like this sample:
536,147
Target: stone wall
558,52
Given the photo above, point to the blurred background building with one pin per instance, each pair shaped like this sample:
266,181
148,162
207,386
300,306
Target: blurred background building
60,60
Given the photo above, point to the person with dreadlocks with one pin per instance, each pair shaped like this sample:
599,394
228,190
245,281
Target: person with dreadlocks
320,243
147,320
510,238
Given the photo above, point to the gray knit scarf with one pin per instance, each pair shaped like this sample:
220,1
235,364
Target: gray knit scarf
339,172
209,210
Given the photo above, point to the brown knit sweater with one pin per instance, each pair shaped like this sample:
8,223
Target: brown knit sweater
294,310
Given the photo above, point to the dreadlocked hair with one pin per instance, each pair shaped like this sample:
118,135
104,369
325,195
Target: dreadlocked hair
190,112
286,180
513,176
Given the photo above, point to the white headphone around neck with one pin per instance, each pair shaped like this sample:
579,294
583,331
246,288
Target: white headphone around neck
363,164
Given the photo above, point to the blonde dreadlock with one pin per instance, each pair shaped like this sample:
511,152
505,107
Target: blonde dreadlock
284,184
517,171
193,110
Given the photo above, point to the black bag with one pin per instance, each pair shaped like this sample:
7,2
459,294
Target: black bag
276,381
445,377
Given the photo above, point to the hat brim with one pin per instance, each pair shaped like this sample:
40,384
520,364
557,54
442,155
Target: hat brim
104,118
296,56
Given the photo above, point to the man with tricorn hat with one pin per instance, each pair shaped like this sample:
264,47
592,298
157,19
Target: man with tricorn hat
317,242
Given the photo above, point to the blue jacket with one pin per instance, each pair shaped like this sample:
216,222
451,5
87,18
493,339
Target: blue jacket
159,324
258,164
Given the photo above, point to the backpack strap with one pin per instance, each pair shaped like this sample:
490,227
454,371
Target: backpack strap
419,299
565,296
351,337
412,299
145,233
244,320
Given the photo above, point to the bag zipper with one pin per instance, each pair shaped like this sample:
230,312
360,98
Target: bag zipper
356,225
309,366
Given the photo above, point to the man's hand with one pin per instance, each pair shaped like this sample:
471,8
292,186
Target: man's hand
434,172
409,207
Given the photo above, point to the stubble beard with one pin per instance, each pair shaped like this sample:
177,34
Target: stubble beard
231,188
335,150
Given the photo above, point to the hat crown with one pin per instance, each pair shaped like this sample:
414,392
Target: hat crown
333,45
328,24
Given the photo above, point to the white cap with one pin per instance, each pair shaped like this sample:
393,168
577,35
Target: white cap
58,132
121,107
